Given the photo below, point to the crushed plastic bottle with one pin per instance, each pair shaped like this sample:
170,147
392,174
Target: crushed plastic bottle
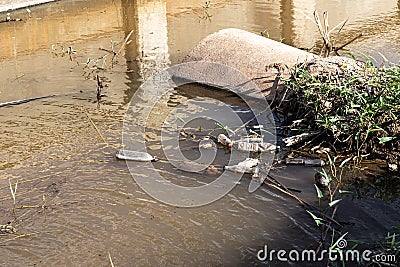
255,147
134,155
246,166
306,162
224,140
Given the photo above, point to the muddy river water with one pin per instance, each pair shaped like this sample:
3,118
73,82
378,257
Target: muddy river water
93,206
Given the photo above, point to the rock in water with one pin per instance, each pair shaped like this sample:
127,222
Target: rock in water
246,52
134,155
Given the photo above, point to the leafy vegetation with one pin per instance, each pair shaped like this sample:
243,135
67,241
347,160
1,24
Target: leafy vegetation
358,108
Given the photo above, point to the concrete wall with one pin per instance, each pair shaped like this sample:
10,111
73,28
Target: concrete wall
15,4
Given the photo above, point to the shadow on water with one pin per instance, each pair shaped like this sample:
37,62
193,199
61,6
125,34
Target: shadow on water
92,203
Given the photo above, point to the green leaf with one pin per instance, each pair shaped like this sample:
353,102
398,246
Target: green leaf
253,132
333,203
317,220
386,139
265,131
393,243
349,54
376,129
179,118
226,128
319,192
331,160
325,174
383,57
345,192
344,162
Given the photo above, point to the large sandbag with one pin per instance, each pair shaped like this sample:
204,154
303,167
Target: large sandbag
251,54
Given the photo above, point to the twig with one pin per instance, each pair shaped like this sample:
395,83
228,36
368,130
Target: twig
94,125
285,190
283,98
248,122
108,50
19,76
10,20
22,101
347,43
126,41
16,237
29,207
289,194
244,124
99,87
312,140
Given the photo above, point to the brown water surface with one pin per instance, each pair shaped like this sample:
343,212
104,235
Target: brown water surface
94,206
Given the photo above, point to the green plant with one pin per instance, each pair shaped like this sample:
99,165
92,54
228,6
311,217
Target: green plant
388,246
358,108
328,40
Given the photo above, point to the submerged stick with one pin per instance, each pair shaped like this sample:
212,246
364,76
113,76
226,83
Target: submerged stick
115,55
22,101
94,125
10,20
17,237
347,43
272,182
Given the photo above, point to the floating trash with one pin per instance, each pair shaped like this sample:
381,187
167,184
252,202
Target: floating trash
246,166
306,162
320,150
207,143
255,147
393,167
260,173
294,140
252,140
224,140
7,229
134,155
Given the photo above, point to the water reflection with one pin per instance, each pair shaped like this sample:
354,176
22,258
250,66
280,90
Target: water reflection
148,50
167,30
148,20
287,21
